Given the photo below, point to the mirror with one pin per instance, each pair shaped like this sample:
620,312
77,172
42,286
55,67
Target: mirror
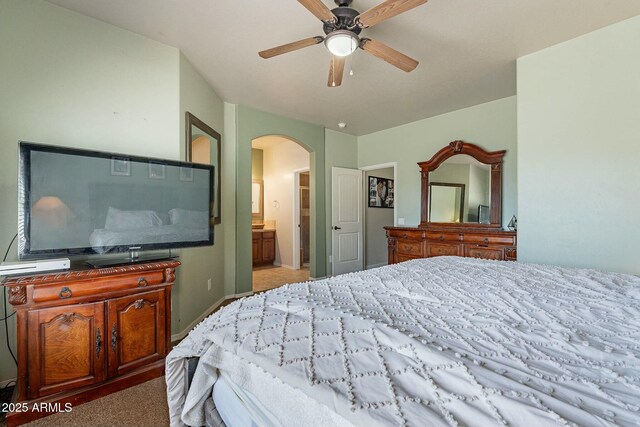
203,146
459,187
462,187
257,199
447,202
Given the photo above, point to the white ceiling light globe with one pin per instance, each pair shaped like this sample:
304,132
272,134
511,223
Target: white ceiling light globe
342,42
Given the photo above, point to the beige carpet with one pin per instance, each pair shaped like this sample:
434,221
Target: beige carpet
144,405
269,277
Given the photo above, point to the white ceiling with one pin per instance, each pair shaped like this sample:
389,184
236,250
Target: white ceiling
466,48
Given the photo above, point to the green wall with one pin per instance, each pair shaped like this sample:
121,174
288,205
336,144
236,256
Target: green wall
250,124
191,295
579,151
257,166
491,126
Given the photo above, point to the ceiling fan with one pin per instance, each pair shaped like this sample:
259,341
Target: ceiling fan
342,27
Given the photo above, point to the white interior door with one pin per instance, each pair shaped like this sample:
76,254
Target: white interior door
347,222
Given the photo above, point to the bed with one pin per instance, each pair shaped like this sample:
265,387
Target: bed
103,240
429,342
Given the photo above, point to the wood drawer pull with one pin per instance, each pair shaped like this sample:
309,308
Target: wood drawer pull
65,293
486,240
441,238
143,282
404,236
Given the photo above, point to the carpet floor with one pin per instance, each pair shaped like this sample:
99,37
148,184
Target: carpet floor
144,405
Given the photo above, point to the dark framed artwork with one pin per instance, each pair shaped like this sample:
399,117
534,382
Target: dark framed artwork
381,192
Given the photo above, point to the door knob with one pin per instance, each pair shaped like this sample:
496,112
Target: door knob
335,227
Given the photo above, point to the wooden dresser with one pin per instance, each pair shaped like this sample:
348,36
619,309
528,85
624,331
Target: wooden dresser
263,243
405,243
464,236
85,333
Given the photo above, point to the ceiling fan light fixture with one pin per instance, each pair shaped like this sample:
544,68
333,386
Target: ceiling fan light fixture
342,42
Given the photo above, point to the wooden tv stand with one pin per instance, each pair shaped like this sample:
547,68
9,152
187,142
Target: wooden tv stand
86,333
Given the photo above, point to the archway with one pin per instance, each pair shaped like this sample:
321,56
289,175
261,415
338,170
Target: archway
251,124
280,222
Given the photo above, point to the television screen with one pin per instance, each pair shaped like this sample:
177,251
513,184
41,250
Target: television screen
75,202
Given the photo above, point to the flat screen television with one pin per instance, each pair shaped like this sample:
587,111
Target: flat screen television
80,202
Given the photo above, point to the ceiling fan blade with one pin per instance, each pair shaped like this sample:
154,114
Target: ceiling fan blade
386,10
388,54
336,70
318,8
290,47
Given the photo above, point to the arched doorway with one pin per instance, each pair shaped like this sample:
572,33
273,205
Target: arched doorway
248,125
280,211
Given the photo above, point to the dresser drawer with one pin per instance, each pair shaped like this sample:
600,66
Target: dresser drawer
443,250
483,253
443,237
75,289
409,247
406,234
489,240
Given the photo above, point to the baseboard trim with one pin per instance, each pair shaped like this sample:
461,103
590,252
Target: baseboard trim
380,264
242,295
207,312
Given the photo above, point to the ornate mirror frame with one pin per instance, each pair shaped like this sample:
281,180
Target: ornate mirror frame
191,120
493,158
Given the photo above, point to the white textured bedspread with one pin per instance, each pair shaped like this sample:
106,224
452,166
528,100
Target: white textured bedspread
438,341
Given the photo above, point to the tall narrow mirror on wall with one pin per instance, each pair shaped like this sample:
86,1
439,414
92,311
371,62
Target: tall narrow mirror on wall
203,146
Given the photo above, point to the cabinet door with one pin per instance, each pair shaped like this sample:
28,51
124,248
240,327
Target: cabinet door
66,348
136,331
255,249
268,250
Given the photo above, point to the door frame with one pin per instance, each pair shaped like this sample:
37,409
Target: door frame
364,170
296,216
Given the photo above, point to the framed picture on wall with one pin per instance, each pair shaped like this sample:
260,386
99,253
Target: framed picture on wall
381,192
120,166
156,170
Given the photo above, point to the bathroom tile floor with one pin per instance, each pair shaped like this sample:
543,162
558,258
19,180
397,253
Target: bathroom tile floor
270,277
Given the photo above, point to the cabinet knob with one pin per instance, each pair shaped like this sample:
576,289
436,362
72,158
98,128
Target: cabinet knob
142,282
404,236
441,238
486,240
65,293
